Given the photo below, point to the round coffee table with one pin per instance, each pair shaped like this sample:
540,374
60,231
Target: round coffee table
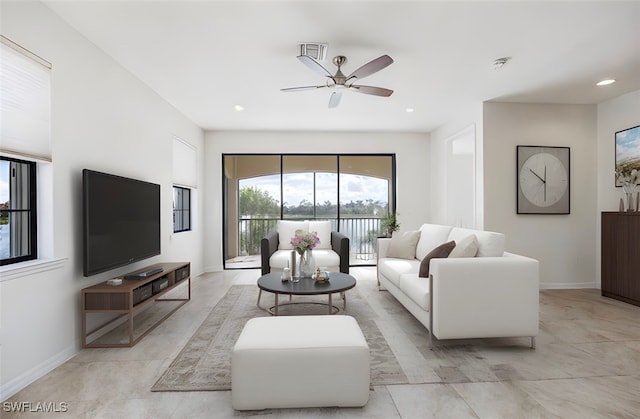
338,282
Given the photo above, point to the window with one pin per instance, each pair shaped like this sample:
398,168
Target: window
309,187
25,148
18,238
352,191
181,209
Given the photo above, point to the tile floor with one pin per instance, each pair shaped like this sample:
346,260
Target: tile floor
586,365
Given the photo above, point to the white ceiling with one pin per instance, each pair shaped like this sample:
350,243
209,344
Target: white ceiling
204,57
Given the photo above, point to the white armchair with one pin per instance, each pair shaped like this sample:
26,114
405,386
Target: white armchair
332,252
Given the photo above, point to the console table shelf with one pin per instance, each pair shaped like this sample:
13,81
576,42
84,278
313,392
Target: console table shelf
131,296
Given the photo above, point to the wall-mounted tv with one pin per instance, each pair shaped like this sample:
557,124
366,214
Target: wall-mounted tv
121,220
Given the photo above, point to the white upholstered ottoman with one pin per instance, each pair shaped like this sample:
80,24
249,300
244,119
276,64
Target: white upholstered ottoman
300,361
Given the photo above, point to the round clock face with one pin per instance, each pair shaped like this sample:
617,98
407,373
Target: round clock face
543,179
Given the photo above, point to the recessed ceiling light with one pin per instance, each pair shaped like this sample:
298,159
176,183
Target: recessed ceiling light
239,108
409,110
605,82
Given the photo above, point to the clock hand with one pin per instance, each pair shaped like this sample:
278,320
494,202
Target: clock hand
545,183
541,180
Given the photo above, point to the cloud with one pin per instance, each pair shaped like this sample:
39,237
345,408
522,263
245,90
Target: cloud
354,186
4,181
299,187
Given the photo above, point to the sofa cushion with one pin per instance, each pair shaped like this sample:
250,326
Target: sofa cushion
280,259
325,258
322,258
431,235
466,248
392,268
417,289
286,230
403,245
489,243
441,252
323,231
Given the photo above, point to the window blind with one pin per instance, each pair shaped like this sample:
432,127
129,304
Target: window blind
184,164
25,102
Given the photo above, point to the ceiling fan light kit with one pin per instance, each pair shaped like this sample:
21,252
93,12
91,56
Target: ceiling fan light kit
340,81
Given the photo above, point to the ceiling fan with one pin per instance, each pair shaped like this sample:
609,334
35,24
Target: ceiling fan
340,81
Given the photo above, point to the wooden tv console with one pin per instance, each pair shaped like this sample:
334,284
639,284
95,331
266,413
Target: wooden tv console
132,296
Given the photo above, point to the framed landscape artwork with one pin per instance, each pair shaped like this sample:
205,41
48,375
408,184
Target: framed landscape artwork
627,152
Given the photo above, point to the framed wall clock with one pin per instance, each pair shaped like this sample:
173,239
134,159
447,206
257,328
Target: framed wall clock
543,180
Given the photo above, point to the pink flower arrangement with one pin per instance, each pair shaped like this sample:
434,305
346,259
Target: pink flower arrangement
304,241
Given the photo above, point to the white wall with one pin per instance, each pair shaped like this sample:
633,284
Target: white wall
441,187
565,245
614,115
412,174
105,119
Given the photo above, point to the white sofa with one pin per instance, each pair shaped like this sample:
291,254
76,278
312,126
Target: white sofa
493,294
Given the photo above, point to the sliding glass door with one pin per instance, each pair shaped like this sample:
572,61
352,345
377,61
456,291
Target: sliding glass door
251,189
366,195
352,191
309,187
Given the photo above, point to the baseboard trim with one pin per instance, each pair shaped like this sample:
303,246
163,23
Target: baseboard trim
567,285
23,380
215,268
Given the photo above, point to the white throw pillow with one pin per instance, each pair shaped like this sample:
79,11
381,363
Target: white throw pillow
323,230
286,230
466,248
489,243
403,246
431,236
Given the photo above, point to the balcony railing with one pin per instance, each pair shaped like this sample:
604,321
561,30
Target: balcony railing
362,233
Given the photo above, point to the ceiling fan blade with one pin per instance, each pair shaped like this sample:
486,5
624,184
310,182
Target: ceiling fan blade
371,90
301,88
334,100
371,67
314,65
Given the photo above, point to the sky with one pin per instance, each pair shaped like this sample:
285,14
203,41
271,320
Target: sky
299,186
4,181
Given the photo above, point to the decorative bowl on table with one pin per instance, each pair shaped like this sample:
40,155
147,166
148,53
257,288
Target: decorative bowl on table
321,276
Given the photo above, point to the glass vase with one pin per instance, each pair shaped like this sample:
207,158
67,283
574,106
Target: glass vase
630,202
295,266
307,264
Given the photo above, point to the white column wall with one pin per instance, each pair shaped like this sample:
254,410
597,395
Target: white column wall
103,118
564,244
614,115
470,118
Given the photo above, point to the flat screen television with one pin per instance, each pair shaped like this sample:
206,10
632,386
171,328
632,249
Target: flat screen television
121,219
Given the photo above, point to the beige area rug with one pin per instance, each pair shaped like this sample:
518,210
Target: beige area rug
204,364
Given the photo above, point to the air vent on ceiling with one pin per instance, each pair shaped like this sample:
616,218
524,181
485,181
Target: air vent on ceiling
315,50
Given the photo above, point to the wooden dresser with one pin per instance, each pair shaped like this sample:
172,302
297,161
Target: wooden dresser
621,256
